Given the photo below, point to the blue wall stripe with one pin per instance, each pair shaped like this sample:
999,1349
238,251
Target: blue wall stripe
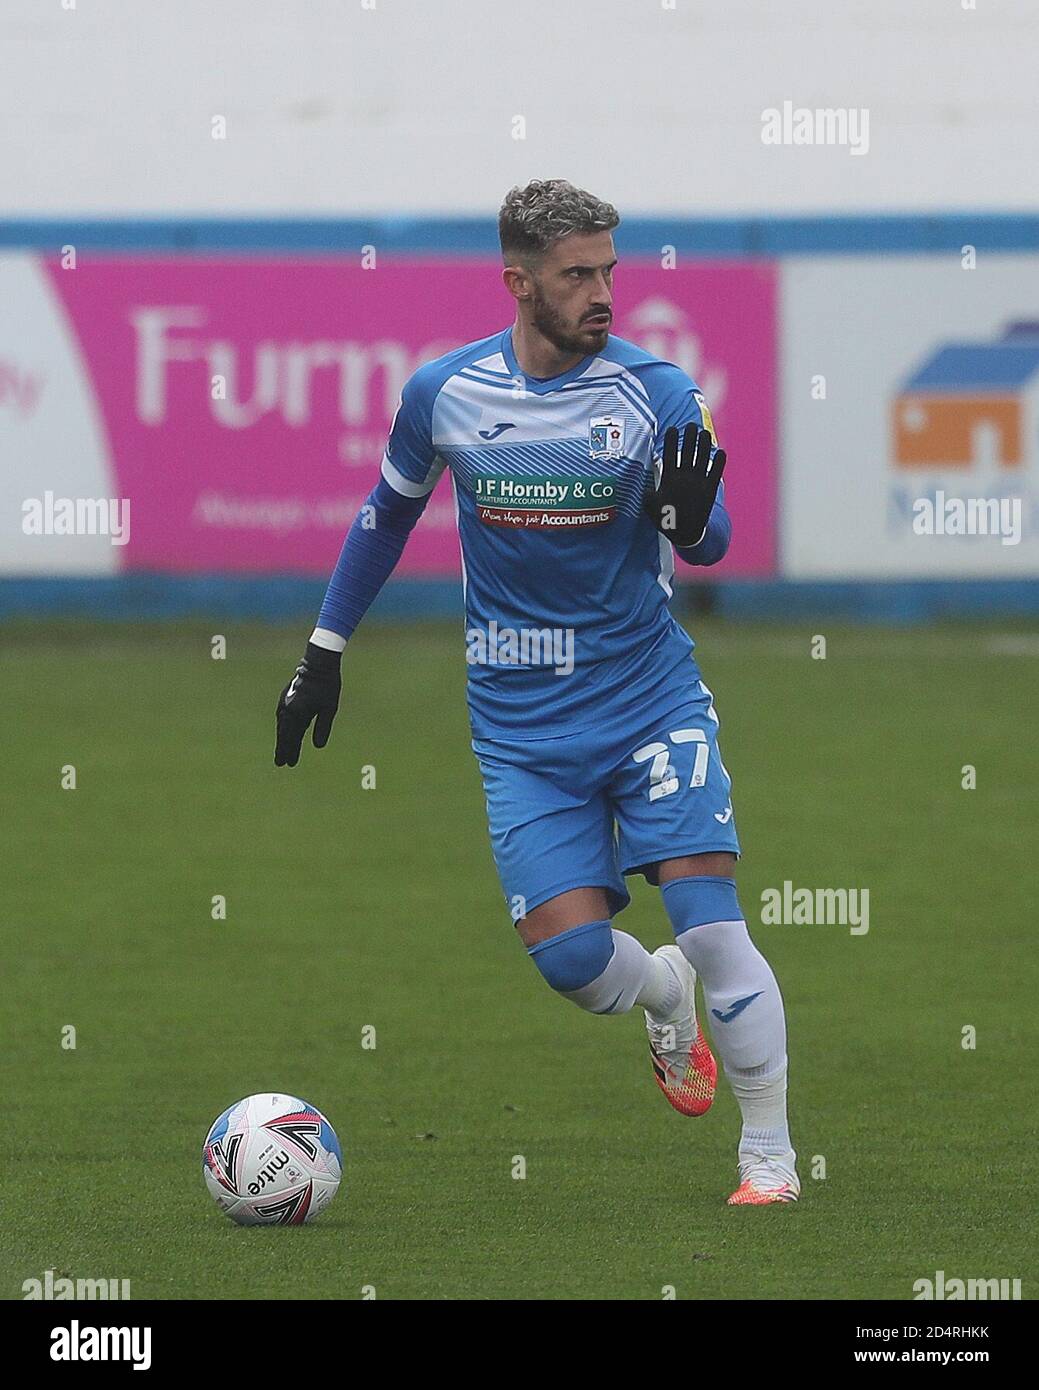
746,236
290,598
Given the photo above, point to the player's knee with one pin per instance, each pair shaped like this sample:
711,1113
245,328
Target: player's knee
700,899
574,958
709,928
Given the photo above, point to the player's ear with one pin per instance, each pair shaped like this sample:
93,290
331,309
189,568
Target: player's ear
516,281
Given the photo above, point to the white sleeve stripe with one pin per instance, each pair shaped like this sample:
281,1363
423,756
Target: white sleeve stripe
331,641
405,486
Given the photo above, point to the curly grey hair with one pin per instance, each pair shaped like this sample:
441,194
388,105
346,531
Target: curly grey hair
532,218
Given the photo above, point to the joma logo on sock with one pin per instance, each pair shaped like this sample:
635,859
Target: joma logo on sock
825,907
939,1288
734,1010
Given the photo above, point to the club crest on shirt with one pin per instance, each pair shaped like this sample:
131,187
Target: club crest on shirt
605,437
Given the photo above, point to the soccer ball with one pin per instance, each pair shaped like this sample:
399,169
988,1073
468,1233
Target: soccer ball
272,1160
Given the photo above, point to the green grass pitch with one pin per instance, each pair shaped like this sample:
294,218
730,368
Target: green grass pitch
349,908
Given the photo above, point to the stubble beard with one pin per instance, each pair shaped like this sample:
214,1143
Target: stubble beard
550,325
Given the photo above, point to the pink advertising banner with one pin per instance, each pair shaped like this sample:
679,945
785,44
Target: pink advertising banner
244,404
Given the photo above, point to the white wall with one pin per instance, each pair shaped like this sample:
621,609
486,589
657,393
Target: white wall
354,106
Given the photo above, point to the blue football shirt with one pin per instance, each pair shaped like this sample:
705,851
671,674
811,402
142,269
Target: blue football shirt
566,579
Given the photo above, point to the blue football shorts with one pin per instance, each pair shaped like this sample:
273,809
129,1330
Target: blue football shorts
582,810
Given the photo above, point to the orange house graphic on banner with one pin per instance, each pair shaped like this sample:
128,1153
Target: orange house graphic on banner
970,403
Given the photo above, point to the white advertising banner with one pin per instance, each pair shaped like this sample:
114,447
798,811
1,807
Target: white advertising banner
52,438
909,422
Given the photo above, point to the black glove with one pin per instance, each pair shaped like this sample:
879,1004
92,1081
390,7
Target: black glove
313,690
680,505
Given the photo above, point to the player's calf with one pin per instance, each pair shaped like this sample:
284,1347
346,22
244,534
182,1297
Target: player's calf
572,943
747,1023
605,971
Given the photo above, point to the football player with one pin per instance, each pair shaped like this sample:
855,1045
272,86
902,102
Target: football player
581,465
